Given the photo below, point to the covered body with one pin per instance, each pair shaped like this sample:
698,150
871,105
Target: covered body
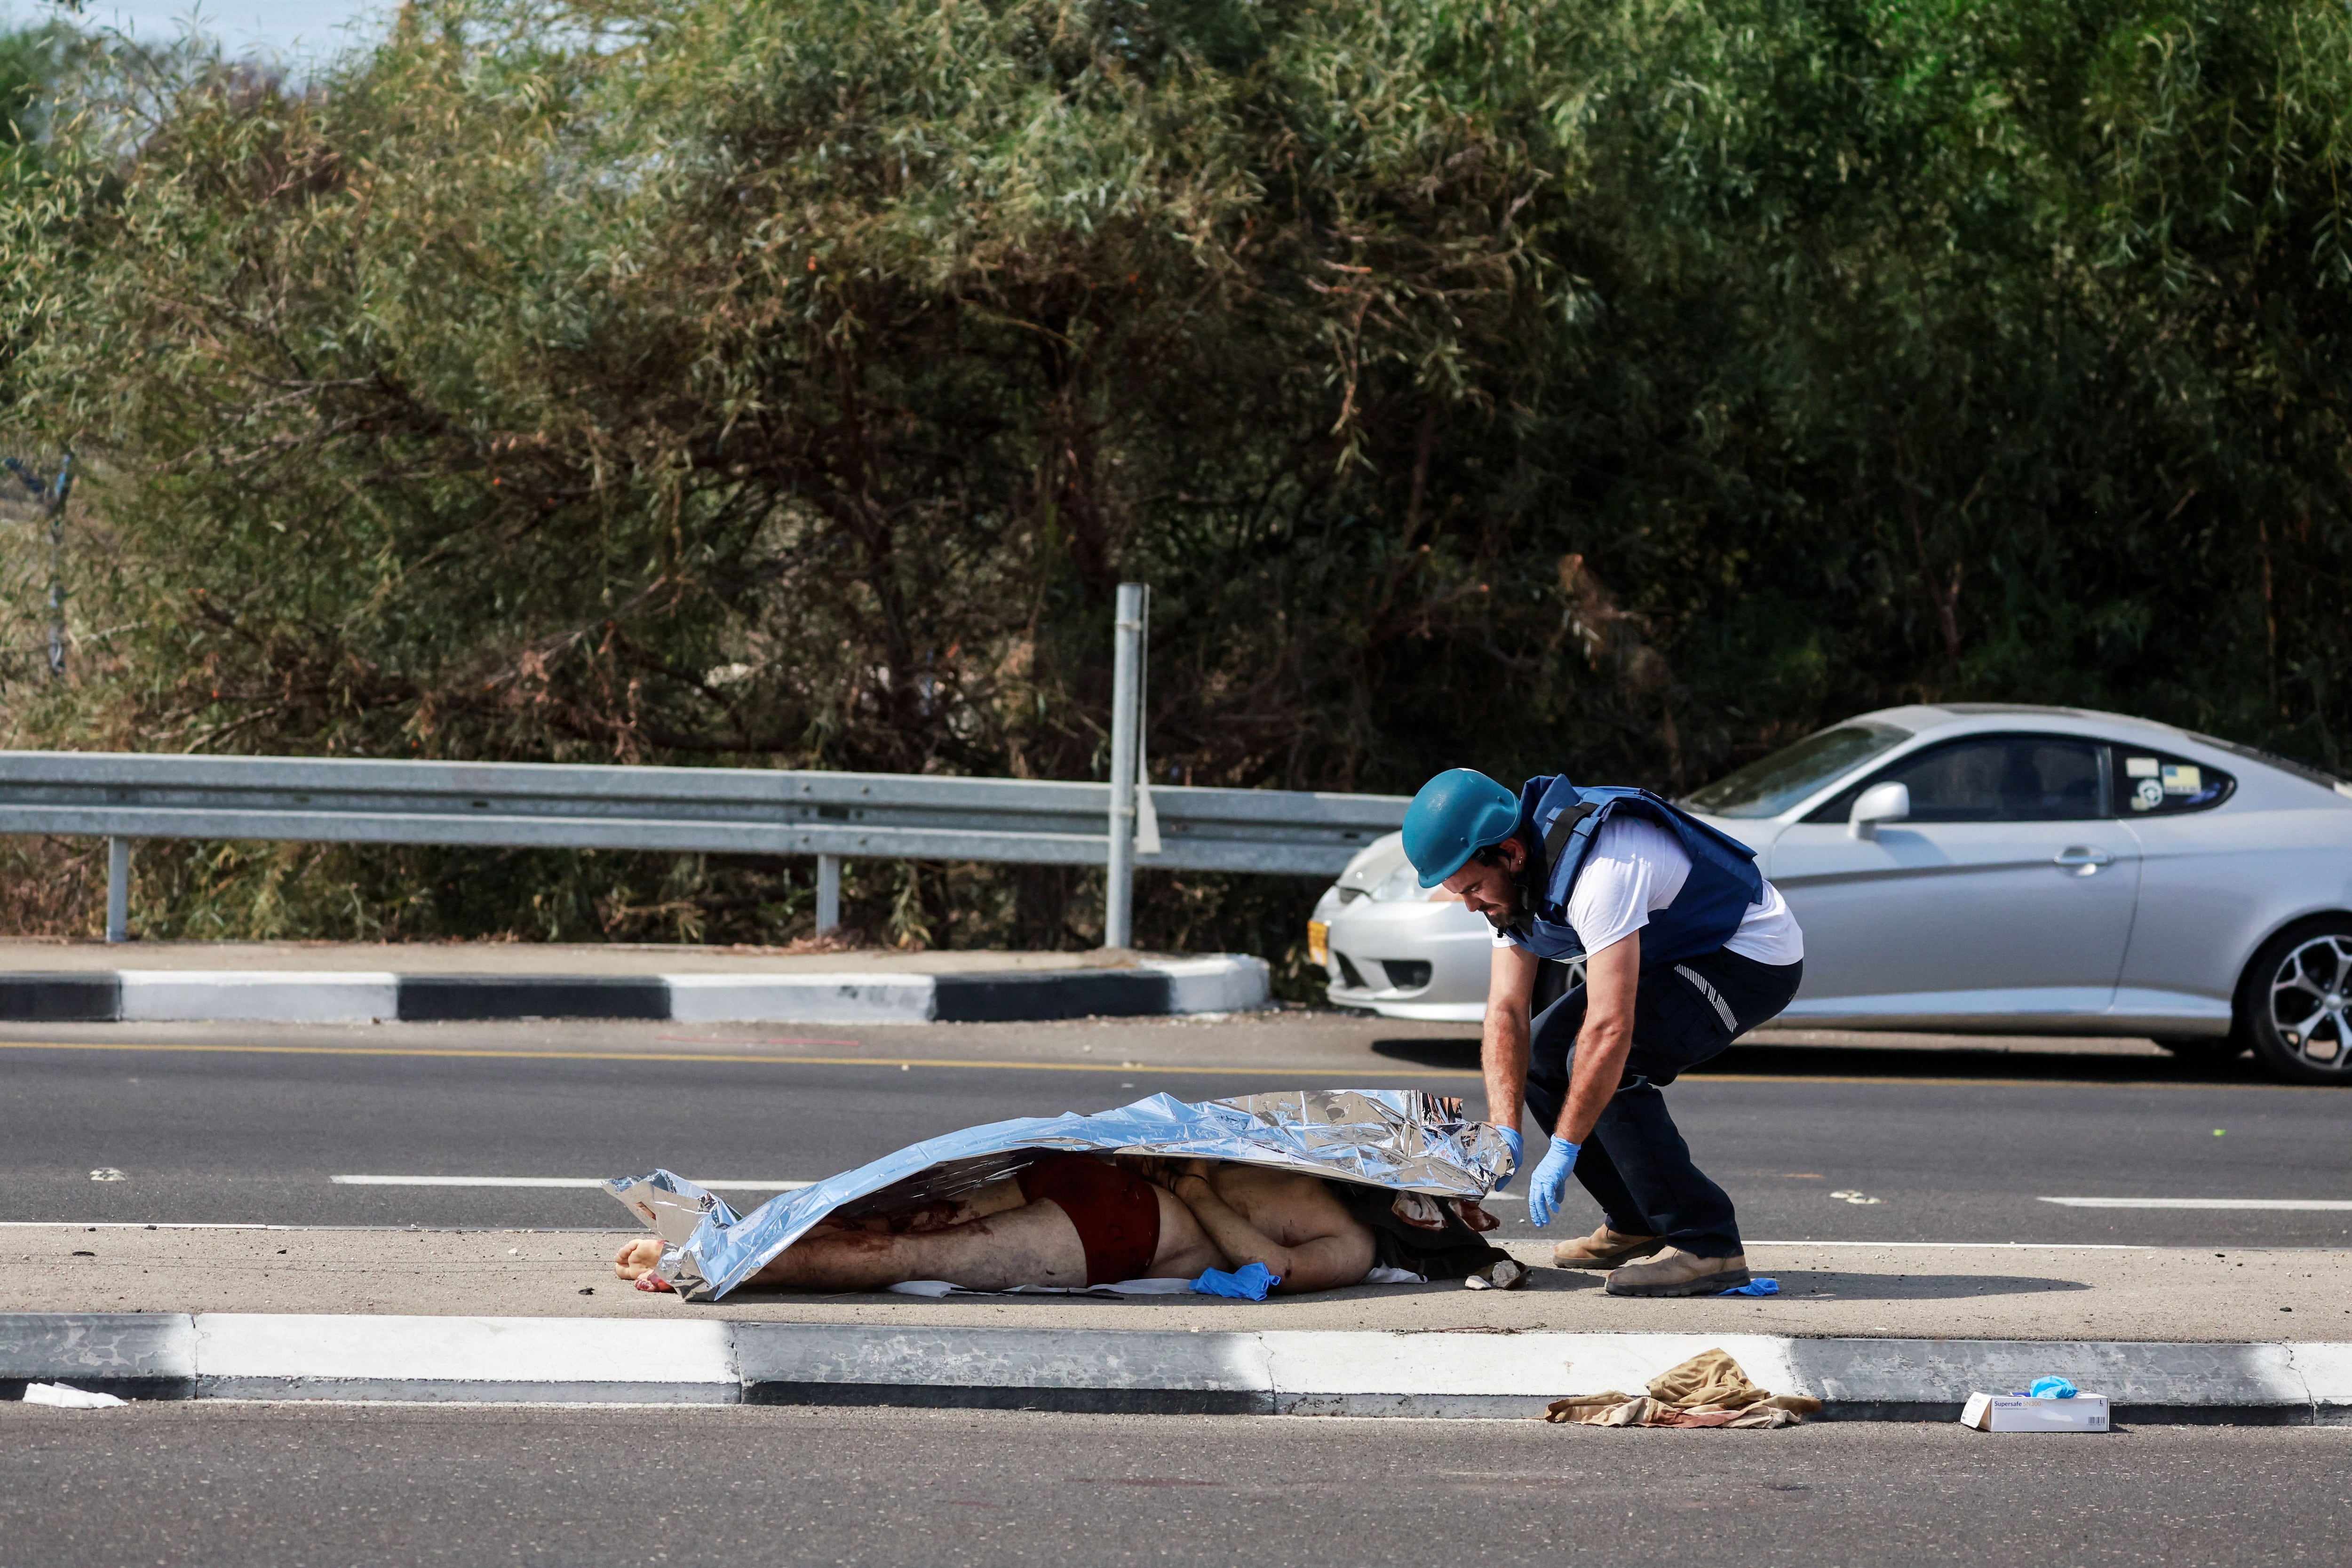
1401,1139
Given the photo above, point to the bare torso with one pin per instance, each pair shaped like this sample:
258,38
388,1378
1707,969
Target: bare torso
1185,1247
1249,1213
1289,1208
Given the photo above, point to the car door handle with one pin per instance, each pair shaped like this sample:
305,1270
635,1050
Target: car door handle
2081,860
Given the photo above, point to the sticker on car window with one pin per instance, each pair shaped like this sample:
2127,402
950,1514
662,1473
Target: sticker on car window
2139,767
2147,795
2182,779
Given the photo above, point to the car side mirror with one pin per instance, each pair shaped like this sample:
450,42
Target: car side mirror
1880,802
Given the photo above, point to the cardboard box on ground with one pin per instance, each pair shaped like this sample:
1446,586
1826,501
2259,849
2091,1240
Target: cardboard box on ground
2024,1413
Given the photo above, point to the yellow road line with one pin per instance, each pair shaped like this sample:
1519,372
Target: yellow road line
1965,1082
691,1057
1374,1071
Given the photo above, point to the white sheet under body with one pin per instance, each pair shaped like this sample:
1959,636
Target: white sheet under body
936,1288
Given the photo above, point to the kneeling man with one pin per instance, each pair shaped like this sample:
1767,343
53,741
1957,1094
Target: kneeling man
1686,947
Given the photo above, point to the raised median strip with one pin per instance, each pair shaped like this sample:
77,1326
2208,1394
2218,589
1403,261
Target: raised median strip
133,1355
1217,983
239,1355
1138,1372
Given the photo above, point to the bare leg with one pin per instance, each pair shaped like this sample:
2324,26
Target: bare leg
1033,1245
639,1256
994,1198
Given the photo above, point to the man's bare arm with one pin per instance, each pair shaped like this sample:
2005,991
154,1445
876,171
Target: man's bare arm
1503,1046
1322,1263
1327,1263
1610,978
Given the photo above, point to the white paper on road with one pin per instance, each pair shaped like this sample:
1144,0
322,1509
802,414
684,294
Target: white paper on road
935,1289
65,1396
715,1186
2329,1205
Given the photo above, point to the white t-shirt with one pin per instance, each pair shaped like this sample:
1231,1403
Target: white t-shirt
1634,869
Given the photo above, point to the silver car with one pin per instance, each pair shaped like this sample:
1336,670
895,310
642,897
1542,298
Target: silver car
1990,869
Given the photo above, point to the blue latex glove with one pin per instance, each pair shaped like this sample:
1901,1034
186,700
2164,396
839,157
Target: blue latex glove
2053,1388
1518,1153
1754,1288
1550,1180
1250,1283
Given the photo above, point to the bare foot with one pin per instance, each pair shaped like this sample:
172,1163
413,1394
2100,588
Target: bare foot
637,1257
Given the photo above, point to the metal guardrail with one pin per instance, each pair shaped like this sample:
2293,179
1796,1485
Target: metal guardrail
834,815
746,811
122,796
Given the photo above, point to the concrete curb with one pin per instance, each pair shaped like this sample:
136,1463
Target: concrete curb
232,1355
1219,983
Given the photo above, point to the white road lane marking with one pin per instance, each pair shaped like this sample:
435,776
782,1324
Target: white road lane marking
615,1229
1988,1246
2331,1206
618,1229
129,1225
745,1186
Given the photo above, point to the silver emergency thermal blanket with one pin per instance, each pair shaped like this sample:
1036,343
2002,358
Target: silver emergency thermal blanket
1399,1139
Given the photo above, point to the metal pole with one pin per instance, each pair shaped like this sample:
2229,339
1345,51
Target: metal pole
828,892
118,889
1126,687
52,494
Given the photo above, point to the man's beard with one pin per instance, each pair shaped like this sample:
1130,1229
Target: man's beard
1500,919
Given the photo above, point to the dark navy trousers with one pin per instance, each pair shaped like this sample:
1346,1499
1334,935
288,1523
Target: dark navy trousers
1635,1164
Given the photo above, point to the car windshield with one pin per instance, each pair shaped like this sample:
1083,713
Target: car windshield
1771,786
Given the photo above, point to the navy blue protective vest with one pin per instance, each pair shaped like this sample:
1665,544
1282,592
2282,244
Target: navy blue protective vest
1559,821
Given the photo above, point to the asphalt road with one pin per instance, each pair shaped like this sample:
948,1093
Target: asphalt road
258,1486
250,1125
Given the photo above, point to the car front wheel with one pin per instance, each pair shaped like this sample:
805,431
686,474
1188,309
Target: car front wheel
2295,1006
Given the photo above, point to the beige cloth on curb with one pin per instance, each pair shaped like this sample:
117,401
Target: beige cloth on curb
1709,1390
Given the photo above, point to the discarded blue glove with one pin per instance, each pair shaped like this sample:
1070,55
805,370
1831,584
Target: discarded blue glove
1550,1180
2053,1388
1250,1283
1518,1153
1754,1288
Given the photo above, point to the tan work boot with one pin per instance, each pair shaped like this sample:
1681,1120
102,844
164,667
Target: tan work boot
1604,1249
1674,1272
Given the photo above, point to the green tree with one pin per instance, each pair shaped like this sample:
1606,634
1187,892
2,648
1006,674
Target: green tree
31,61
1620,385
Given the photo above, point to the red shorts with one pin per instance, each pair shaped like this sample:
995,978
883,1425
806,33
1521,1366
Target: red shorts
1117,1213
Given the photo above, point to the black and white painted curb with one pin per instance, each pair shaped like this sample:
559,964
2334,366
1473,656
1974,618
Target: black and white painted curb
1219,983
231,1355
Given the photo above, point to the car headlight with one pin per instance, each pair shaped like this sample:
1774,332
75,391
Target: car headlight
1402,886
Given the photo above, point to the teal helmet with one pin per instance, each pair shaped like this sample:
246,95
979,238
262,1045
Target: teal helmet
1456,814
